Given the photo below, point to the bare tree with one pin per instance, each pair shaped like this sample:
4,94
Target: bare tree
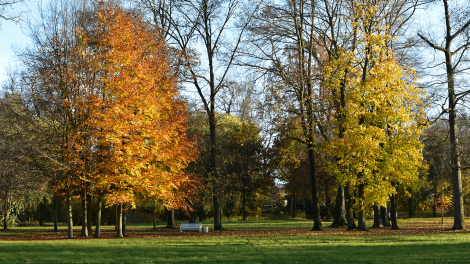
6,7
283,48
241,99
453,42
207,35
50,76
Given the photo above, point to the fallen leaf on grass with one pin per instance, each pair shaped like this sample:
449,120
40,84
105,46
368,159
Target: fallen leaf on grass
408,227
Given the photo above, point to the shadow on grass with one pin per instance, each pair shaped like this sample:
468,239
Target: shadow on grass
288,249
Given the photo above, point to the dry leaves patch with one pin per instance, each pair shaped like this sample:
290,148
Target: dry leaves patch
420,228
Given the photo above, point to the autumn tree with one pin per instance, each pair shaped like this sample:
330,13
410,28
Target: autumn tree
18,175
290,158
337,35
437,154
243,164
138,120
380,148
242,179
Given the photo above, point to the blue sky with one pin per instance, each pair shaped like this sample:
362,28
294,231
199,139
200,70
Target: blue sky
11,34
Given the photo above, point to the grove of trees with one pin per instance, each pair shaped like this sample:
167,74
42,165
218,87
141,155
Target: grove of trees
345,109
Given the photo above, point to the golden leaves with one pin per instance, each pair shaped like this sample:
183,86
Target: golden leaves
137,122
379,114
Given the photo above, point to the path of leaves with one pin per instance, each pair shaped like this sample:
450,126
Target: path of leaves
419,228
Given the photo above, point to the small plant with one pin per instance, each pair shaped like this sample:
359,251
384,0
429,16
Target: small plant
443,201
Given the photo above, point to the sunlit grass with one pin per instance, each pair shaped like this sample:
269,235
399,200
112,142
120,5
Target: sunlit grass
310,247
444,248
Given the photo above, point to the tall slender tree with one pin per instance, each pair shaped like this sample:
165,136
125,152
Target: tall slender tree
284,49
212,23
454,47
51,79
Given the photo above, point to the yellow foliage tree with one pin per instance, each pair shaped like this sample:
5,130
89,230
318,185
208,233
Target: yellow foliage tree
380,147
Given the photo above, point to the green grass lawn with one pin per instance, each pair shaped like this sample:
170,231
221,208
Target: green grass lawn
448,248
309,248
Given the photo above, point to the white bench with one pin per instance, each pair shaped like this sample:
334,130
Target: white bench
191,226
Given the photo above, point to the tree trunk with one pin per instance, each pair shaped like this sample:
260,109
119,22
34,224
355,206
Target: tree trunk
84,216
31,215
119,220
201,214
327,200
442,215
348,205
313,184
340,211
394,205
69,216
171,218
308,205
293,206
5,218
124,220
213,164
88,213
40,208
361,219
459,219
154,220
117,217
244,204
410,207
55,201
377,218
384,215
192,217
98,218
217,211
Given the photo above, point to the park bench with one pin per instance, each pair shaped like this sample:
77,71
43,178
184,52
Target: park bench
191,226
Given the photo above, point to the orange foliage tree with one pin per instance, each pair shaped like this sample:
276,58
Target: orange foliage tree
137,120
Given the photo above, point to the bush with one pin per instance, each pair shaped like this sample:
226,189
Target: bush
280,216
256,212
301,216
12,220
29,224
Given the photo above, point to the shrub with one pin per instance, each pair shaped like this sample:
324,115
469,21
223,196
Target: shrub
29,224
12,220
